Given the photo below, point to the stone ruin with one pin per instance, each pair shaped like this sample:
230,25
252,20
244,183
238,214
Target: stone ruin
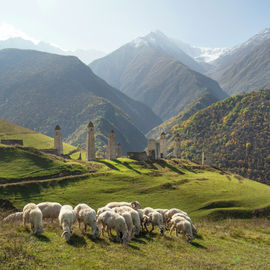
90,143
58,143
12,142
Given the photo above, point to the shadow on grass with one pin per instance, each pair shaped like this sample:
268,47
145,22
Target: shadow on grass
197,245
133,247
164,164
77,241
127,166
111,166
42,238
97,240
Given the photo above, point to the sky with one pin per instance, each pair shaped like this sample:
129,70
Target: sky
105,25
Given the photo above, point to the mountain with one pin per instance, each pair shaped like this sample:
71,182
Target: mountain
39,90
87,56
146,70
201,54
246,67
200,103
233,133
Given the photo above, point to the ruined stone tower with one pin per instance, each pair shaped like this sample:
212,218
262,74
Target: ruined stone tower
153,149
90,143
163,145
203,158
58,144
119,150
176,150
111,150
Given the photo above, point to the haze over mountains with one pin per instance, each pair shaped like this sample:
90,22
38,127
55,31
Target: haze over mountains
155,71
39,90
86,56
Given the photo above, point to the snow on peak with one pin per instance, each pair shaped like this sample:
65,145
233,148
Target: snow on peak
209,54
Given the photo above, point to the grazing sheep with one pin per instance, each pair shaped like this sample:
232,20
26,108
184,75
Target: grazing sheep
114,221
184,227
66,219
148,210
50,209
103,209
135,205
156,219
168,215
162,212
33,215
135,218
128,218
14,218
194,230
87,215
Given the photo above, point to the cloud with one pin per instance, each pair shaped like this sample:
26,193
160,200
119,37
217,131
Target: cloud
9,31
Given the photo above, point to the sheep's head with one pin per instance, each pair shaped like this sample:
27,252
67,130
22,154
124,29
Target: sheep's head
67,235
96,232
136,205
146,220
124,237
39,231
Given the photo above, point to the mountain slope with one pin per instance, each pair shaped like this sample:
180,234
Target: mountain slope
87,56
246,67
199,104
10,131
39,90
153,76
234,134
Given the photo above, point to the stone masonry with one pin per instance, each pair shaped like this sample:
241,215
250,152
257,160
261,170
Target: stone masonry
90,143
58,144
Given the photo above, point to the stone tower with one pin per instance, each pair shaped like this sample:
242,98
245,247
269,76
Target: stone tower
176,150
163,145
119,150
111,150
153,149
203,158
58,144
90,143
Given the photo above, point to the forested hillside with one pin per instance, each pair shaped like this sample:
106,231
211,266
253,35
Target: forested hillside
234,134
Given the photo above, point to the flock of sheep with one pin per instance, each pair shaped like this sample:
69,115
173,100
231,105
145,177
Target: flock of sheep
127,219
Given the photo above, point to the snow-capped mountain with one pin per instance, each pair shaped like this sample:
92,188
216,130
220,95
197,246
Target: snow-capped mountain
10,37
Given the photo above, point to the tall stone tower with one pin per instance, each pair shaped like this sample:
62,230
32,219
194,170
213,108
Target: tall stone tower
203,158
111,150
90,143
176,150
58,144
163,145
119,150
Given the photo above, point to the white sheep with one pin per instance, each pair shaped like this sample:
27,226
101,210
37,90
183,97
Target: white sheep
103,209
162,212
87,215
114,221
155,219
135,205
148,210
50,209
184,227
66,219
135,219
128,218
168,215
33,215
194,230
14,218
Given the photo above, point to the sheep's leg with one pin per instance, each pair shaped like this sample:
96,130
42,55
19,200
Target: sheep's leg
51,220
85,227
171,230
176,232
153,226
145,227
79,224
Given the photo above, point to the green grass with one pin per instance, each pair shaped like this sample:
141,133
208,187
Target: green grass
9,131
22,163
199,191
229,244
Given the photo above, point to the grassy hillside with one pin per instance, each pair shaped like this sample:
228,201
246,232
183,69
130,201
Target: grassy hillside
22,164
201,191
164,184
30,138
234,134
